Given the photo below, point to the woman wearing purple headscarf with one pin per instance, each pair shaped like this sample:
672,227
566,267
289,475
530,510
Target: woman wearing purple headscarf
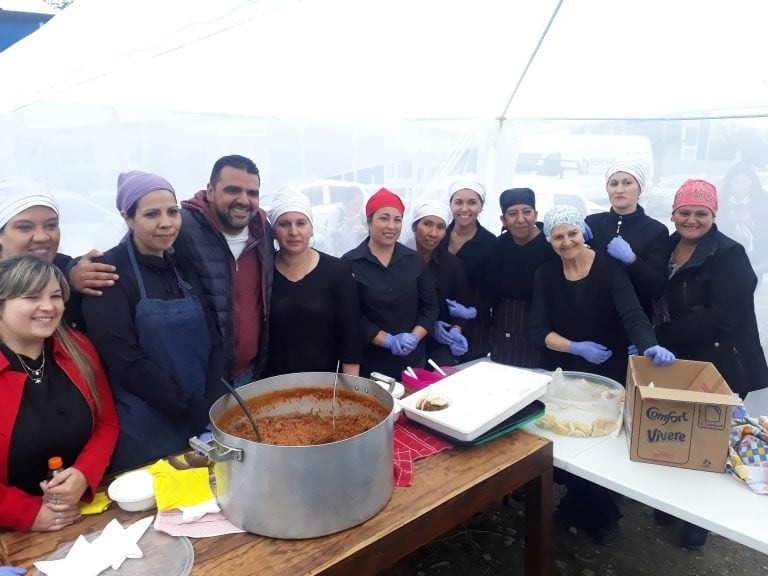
153,330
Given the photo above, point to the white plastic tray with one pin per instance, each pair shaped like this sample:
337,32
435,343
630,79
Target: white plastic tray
480,396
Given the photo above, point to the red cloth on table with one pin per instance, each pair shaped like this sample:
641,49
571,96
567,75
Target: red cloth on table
411,443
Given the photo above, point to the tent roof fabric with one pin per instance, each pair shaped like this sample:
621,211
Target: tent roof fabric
398,59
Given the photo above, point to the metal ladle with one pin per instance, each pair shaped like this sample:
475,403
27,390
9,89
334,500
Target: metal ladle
244,406
333,401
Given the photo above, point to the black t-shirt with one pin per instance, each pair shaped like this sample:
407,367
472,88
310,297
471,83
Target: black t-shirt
54,419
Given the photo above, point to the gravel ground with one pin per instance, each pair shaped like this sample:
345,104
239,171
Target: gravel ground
492,543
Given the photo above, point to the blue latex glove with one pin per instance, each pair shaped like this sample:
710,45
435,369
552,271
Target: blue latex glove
632,350
660,355
621,250
587,233
441,333
459,346
11,571
456,310
401,344
590,351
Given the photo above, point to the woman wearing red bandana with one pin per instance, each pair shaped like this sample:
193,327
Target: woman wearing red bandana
397,294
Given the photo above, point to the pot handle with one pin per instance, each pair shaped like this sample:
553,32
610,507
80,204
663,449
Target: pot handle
386,380
215,451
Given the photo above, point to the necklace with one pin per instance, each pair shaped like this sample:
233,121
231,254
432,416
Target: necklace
298,271
35,375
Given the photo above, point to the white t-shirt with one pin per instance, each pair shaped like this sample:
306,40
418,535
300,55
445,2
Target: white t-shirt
237,242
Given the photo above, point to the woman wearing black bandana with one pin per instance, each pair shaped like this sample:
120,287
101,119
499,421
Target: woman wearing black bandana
513,261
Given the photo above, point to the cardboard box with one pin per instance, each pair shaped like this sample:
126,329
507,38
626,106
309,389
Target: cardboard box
683,419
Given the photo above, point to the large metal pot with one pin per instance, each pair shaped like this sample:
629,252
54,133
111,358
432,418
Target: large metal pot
302,491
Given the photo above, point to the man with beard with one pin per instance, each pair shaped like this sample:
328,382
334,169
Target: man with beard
226,237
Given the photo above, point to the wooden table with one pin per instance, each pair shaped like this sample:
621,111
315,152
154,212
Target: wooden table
448,488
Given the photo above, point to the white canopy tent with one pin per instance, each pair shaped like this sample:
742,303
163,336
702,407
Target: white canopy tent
396,93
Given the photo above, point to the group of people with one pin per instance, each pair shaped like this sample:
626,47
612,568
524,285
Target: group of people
215,288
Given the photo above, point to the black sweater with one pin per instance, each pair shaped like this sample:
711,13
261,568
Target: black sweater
511,267
707,312
648,239
602,308
316,321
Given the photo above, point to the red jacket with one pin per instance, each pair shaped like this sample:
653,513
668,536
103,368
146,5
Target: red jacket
18,509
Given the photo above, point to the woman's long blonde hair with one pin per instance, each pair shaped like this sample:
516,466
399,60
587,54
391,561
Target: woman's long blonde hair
20,275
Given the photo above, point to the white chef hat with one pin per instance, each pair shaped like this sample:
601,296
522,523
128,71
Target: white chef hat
431,208
18,194
470,182
290,201
634,169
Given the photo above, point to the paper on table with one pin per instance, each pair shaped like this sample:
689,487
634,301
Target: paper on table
192,513
112,546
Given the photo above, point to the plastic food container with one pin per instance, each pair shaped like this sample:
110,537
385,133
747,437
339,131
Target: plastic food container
582,405
133,491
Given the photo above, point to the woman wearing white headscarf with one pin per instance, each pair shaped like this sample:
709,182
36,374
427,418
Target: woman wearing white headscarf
583,309
29,224
314,310
629,236
472,244
430,221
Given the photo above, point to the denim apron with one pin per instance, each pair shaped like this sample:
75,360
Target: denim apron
174,335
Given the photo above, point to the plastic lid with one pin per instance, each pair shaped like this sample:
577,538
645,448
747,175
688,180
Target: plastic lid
55,462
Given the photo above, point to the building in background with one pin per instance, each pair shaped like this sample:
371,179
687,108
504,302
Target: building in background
19,18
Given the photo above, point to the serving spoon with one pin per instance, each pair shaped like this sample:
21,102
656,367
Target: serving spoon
333,401
244,406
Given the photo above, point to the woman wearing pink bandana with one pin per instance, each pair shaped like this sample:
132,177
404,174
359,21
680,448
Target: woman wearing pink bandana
707,311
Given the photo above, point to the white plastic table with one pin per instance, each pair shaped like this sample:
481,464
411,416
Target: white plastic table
708,499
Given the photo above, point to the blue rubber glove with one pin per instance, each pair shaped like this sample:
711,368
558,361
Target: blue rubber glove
621,250
401,344
587,233
660,355
459,346
590,351
441,333
456,310
11,571
632,350
408,342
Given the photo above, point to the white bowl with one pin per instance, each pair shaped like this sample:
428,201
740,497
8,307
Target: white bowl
133,491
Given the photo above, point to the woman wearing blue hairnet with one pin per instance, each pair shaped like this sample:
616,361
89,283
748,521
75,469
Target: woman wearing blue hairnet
584,307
